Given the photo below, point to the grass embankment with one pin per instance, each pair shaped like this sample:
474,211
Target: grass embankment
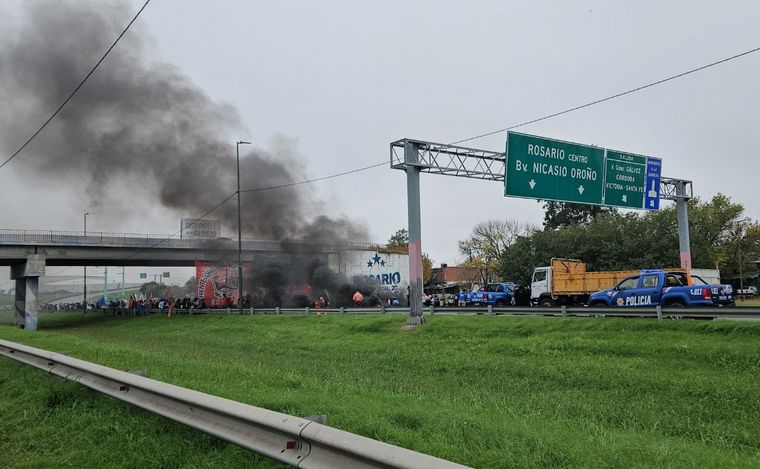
484,391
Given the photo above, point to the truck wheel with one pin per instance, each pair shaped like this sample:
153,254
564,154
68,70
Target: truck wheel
500,304
546,303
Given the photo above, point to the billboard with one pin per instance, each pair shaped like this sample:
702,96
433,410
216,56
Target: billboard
191,228
389,270
216,283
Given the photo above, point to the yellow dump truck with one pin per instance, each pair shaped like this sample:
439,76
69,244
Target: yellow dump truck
567,282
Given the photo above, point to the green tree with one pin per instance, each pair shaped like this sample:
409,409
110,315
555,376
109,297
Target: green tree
614,241
153,289
189,287
486,245
399,238
427,269
562,214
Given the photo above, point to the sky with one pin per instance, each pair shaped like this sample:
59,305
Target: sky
343,79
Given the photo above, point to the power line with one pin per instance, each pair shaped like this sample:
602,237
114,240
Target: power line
208,212
609,98
307,181
81,83
532,121
364,168
258,189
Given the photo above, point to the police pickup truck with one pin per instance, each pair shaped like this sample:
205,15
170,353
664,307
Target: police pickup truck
658,287
494,294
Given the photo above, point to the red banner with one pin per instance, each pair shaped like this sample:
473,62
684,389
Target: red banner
217,283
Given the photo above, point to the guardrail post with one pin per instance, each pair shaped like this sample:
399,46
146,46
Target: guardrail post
251,310
490,309
432,310
382,308
342,310
564,311
659,313
228,310
306,311
277,310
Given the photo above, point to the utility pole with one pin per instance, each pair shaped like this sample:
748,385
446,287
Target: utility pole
240,230
84,304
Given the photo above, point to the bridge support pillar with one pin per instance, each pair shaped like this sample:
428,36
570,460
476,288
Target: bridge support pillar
27,276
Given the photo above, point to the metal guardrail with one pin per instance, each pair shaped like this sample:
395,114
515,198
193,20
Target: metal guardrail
100,238
556,311
291,440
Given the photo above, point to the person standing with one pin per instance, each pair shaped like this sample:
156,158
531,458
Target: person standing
171,302
358,298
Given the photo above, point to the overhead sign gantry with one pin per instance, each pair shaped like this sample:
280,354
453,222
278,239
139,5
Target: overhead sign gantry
418,156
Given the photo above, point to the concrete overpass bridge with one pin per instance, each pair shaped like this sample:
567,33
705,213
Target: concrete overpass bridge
28,252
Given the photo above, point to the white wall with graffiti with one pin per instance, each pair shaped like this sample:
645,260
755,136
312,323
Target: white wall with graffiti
389,270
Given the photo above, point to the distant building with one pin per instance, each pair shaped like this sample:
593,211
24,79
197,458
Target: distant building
453,278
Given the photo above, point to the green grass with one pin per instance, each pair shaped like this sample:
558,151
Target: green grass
483,391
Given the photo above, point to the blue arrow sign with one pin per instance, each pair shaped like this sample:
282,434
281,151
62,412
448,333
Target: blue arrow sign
652,189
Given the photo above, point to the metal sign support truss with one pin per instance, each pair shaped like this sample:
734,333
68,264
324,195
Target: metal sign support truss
418,156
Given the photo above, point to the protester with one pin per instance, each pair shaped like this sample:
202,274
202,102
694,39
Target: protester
462,299
358,298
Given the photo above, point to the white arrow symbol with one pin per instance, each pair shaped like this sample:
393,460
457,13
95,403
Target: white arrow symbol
625,198
652,192
532,184
580,189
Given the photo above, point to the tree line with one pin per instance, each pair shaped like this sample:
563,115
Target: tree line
609,240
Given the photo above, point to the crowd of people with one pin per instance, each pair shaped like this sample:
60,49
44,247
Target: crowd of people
140,305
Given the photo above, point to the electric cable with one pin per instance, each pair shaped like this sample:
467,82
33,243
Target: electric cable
81,83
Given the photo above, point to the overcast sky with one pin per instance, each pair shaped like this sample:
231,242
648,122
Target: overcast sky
345,78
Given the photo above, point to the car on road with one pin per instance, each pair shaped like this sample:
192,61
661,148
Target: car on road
659,287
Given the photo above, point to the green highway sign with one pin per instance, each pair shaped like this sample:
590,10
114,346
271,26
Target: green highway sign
624,179
543,168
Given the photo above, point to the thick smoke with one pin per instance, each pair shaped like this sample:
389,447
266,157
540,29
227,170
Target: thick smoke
140,124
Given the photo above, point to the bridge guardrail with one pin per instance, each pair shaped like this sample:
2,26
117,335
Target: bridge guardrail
291,440
78,238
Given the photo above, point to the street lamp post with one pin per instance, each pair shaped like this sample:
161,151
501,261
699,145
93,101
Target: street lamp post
85,267
240,230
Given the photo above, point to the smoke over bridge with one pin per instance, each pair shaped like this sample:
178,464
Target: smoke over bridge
139,123
140,126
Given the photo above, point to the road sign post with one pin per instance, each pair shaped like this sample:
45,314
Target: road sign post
624,177
543,168
548,169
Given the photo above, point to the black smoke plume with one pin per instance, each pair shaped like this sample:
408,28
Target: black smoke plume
139,126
